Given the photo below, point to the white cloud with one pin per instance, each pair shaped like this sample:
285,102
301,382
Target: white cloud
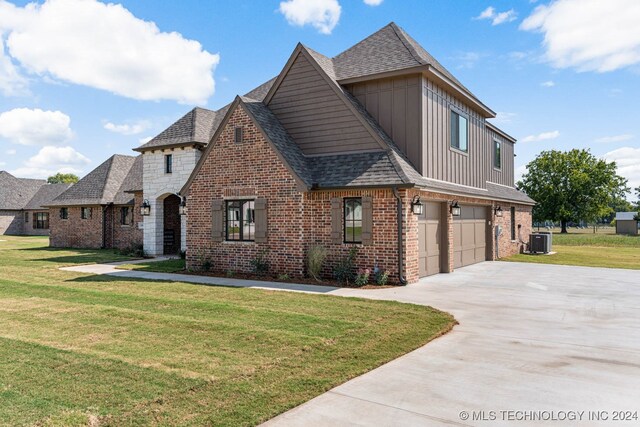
467,59
628,161
10,152
615,138
373,2
51,160
321,14
128,128
12,83
503,117
548,83
35,127
589,35
145,139
541,136
497,18
519,172
105,47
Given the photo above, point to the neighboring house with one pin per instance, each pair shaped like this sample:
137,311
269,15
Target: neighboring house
339,152
21,204
102,210
627,223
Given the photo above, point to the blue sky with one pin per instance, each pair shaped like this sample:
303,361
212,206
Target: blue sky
80,80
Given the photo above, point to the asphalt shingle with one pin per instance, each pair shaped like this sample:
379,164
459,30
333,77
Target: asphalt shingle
15,193
45,195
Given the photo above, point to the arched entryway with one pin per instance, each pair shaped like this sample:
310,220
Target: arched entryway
171,225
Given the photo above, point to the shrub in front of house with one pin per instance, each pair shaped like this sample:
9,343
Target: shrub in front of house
344,270
315,260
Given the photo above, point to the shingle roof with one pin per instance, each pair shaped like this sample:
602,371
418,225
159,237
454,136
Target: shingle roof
131,183
100,186
625,216
15,193
45,195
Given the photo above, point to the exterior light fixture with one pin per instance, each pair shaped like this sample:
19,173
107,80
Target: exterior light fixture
182,208
498,211
455,208
145,209
416,206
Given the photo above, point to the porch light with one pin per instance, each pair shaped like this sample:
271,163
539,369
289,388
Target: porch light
145,209
182,208
455,208
498,211
416,206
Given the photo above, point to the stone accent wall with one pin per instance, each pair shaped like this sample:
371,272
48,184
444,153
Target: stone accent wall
11,222
75,232
157,185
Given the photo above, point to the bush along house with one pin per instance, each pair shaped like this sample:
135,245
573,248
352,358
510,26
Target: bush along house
102,210
379,148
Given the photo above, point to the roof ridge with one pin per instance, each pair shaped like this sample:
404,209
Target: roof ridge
401,34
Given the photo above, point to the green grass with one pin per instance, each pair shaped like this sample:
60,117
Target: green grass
77,349
166,266
590,250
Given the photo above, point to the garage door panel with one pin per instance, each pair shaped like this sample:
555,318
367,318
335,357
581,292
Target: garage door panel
429,234
469,236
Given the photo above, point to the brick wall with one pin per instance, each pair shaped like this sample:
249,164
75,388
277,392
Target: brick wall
75,232
524,227
131,235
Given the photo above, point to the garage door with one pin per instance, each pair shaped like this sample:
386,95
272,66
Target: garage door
429,229
469,236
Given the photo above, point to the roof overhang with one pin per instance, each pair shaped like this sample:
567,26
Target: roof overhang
170,146
501,132
432,74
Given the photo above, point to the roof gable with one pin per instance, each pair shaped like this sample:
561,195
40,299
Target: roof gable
193,127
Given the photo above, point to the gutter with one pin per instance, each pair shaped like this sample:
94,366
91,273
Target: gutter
401,278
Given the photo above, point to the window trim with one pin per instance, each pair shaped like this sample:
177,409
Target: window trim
64,213
168,164
240,220
452,147
498,142
353,221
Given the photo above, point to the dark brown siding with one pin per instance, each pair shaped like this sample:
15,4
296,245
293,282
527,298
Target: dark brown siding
396,104
315,117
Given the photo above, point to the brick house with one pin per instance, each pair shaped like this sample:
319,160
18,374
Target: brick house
102,210
22,204
379,148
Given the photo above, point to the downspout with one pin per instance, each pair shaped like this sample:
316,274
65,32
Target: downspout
104,226
401,278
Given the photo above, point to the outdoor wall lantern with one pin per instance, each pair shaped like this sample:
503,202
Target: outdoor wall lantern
455,208
416,206
498,211
182,208
145,209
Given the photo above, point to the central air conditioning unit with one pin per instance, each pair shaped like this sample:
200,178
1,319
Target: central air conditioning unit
540,243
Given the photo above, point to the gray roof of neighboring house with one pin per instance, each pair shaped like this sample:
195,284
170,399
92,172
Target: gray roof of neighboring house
45,195
625,216
15,193
100,186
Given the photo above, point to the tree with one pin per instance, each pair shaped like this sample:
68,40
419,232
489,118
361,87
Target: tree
572,186
63,178
637,191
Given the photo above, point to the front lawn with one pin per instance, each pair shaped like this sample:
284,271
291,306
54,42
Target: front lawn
77,349
165,266
589,250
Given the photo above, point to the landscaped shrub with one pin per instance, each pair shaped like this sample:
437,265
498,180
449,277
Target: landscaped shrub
381,277
205,263
284,277
136,251
230,273
362,278
315,261
260,264
343,271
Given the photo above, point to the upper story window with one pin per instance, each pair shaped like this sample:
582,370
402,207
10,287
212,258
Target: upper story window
353,220
168,163
237,136
459,137
85,213
64,213
241,223
497,150
125,213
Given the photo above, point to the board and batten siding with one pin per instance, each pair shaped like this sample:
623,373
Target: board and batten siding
314,116
396,104
440,161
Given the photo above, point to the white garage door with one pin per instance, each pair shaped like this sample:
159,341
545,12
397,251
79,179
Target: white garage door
429,236
469,236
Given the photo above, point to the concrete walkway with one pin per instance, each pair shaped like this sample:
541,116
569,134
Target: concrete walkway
545,340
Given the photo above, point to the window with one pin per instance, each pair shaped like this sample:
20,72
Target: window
237,137
353,220
168,163
64,213
497,160
513,223
124,216
26,217
85,213
458,131
41,220
241,224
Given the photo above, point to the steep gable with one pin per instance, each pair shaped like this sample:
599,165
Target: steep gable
310,108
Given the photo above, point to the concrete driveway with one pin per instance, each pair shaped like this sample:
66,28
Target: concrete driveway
534,341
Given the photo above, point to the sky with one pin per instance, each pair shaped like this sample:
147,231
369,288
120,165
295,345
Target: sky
81,80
